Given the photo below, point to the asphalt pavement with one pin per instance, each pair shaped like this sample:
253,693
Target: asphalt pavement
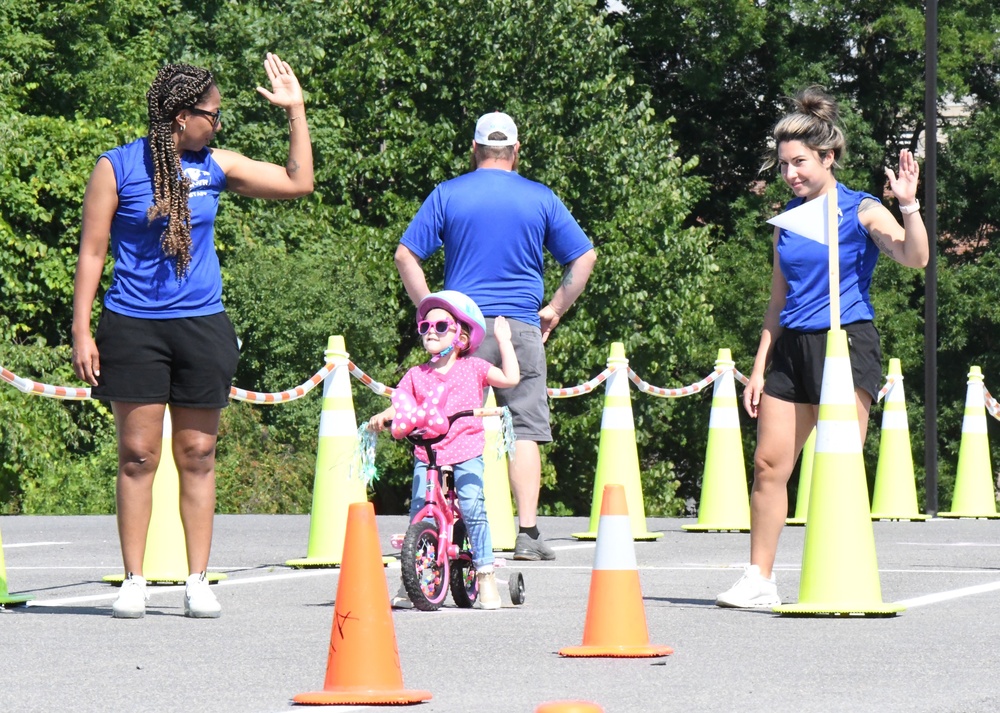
64,651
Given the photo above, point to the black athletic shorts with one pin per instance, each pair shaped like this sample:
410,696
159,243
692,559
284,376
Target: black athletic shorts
796,370
189,361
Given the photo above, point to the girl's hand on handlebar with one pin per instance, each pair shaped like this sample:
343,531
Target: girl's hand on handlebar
501,330
379,421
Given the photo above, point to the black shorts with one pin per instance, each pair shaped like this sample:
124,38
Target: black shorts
189,361
528,400
796,370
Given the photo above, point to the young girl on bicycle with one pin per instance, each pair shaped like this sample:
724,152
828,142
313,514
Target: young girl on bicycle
452,327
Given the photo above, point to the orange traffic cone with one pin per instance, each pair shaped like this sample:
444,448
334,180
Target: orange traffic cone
569,707
616,619
363,662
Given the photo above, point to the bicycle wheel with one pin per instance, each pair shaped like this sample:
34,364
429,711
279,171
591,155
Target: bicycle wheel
464,587
426,581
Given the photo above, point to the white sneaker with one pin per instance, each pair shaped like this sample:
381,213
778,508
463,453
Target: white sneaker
489,596
402,599
751,591
131,601
199,599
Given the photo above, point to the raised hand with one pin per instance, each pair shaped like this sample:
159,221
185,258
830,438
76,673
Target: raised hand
904,186
285,89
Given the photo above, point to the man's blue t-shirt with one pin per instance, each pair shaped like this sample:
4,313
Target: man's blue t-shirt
805,265
144,283
494,226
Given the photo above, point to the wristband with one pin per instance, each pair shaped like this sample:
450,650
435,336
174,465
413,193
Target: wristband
912,208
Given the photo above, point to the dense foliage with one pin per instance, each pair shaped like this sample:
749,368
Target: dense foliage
648,123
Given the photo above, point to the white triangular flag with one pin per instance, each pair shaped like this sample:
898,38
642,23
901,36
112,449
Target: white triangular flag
807,220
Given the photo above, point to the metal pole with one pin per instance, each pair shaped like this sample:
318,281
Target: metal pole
930,275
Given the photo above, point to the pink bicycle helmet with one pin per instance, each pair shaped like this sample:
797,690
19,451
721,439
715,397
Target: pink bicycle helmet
462,308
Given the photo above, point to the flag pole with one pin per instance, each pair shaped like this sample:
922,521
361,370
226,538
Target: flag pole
833,235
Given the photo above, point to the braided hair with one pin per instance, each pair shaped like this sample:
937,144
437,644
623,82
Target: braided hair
176,87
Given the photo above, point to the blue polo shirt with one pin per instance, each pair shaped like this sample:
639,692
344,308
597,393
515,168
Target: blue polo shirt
494,226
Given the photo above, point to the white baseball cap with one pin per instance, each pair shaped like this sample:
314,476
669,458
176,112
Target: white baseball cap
492,122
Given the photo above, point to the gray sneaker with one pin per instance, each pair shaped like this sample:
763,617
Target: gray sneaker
402,599
526,548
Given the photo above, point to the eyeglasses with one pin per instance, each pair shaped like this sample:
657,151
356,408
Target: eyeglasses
215,116
440,326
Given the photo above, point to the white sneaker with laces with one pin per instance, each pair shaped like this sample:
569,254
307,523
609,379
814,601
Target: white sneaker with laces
489,595
752,591
131,601
199,599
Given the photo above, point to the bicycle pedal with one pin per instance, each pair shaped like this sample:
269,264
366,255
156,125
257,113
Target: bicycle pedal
396,541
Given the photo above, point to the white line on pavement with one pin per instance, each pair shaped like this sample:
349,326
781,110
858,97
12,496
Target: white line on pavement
945,596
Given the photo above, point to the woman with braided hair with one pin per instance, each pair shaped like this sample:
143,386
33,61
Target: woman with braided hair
163,336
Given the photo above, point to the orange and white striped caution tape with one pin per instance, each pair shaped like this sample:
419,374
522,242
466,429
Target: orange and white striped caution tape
375,386
585,388
674,393
740,378
27,386
991,404
278,397
890,381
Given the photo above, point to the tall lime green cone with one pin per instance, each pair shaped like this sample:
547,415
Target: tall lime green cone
725,503
165,559
617,456
839,566
805,481
974,496
895,494
337,483
496,483
6,598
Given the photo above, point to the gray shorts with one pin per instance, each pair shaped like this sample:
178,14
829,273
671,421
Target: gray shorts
529,400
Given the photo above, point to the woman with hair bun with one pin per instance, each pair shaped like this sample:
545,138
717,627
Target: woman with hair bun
163,336
808,146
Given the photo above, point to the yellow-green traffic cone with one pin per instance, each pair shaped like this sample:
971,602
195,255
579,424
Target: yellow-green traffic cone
337,482
895,494
617,456
496,483
974,496
724,502
839,566
6,598
805,481
165,559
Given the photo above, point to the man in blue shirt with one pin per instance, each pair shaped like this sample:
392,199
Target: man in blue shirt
494,226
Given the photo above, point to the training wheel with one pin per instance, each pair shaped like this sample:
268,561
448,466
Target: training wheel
516,585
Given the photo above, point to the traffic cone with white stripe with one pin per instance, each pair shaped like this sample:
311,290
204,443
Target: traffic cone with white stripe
617,456
895,493
337,482
725,502
805,481
496,483
616,618
973,496
6,598
839,566
165,558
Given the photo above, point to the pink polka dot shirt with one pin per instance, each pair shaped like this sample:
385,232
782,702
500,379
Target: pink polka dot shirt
466,381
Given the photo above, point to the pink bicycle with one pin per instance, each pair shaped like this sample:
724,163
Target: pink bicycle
436,552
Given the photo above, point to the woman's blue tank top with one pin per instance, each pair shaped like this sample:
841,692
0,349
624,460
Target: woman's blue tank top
144,282
805,266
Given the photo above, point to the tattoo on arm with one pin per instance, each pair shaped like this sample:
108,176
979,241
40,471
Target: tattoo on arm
883,242
567,278
292,166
